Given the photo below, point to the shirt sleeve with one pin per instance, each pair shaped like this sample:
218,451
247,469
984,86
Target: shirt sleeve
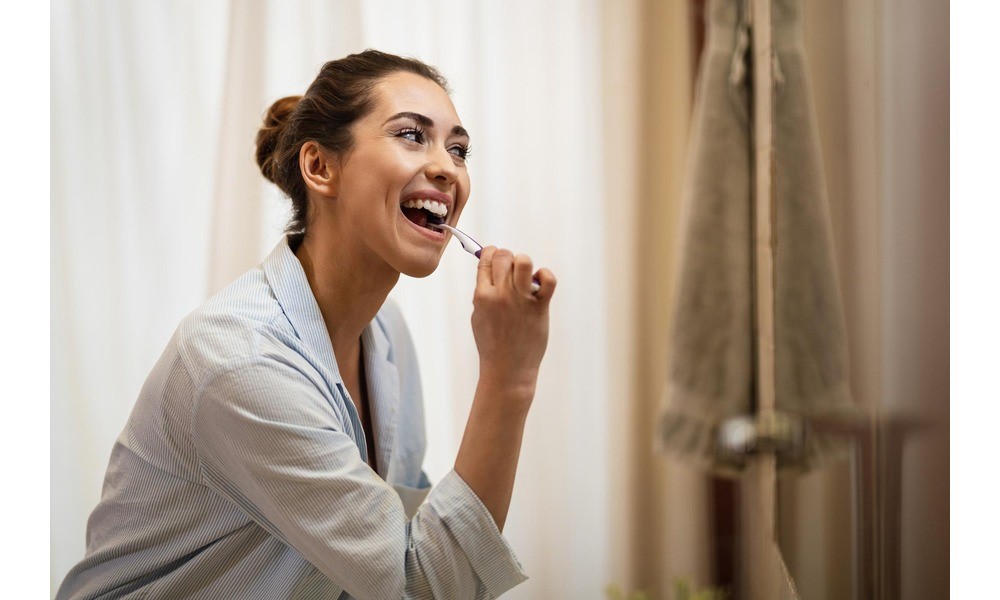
270,441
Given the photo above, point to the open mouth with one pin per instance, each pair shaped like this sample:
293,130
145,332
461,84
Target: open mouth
425,213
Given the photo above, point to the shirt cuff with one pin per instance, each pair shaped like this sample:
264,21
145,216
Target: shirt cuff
468,519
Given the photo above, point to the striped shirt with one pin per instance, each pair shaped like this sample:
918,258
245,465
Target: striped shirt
243,469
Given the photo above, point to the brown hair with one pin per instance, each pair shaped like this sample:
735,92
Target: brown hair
340,95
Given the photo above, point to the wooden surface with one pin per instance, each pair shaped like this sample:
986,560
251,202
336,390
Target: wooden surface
768,577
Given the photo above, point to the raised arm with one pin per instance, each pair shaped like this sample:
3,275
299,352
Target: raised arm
511,327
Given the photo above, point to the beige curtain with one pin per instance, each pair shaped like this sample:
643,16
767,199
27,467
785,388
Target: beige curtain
662,520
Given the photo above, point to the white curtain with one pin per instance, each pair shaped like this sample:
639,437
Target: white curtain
157,203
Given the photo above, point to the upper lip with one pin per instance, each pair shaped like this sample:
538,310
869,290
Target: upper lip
430,195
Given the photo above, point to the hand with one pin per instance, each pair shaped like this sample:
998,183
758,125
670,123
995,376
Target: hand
510,324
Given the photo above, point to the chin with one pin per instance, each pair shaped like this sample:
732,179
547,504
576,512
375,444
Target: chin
419,274
418,269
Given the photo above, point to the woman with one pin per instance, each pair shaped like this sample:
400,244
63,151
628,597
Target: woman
275,450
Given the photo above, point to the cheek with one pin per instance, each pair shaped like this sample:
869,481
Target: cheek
464,186
384,168
464,181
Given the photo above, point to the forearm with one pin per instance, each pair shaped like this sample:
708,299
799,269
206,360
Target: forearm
487,458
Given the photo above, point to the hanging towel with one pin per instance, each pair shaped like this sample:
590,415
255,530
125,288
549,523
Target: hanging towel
711,374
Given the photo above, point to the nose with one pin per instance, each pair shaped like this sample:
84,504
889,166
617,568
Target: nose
441,166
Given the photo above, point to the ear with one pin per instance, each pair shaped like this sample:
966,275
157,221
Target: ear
320,169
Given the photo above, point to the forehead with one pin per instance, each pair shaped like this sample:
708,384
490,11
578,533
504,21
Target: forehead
409,92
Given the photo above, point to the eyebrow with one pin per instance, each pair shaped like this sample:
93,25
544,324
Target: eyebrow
426,122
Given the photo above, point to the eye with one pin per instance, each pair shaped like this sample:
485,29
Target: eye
412,134
461,151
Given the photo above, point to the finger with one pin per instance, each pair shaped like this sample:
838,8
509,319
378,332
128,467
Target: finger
503,266
484,274
522,274
547,284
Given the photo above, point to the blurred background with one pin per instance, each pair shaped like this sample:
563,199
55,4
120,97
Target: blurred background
580,113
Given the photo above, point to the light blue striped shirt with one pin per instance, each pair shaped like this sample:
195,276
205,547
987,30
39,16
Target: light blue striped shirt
243,469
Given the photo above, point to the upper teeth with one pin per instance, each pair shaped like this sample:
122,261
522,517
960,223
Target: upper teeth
438,208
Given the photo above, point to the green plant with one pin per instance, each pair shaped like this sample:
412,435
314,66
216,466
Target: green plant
613,592
684,591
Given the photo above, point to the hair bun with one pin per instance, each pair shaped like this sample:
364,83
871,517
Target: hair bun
268,136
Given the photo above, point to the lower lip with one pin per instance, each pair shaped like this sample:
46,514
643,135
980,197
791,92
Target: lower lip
431,234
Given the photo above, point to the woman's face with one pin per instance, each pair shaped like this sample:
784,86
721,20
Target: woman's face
411,147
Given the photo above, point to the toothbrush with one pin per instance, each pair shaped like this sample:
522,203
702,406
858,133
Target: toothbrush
475,248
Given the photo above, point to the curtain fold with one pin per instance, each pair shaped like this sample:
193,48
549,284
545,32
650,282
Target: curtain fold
135,99
669,536
236,219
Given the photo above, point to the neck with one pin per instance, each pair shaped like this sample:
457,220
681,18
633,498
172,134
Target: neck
348,289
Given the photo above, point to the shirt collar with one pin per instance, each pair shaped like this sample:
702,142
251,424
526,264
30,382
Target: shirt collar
291,288
288,281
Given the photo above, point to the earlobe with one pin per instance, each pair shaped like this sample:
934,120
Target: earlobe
320,170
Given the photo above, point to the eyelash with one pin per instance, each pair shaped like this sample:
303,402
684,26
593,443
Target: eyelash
464,149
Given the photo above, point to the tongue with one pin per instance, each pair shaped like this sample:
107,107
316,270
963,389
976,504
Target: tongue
417,215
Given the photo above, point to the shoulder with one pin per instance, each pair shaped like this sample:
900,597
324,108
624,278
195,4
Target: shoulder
231,326
393,325
390,319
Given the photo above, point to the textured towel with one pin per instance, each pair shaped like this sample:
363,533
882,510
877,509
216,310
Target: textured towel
712,374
